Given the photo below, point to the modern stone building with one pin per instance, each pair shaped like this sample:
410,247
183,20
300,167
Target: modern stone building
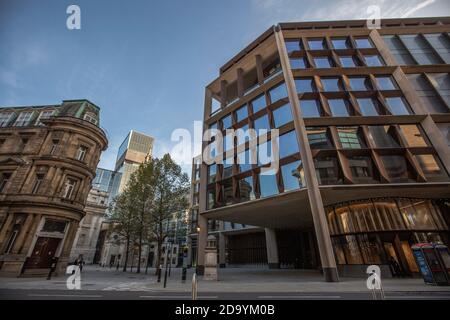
363,120
48,156
88,232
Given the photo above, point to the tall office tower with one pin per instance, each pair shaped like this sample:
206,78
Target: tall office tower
48,156
363,118
107,181
133,151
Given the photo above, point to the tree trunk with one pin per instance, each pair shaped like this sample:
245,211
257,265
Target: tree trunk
139,254
126,255
158,256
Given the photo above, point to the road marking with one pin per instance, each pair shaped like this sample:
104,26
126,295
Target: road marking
297,297
437,297
179,297
66,295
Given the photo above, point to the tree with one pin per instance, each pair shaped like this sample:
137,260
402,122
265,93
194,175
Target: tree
171,187
124,220
141,188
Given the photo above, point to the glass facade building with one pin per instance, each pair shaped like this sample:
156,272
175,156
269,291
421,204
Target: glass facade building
373,106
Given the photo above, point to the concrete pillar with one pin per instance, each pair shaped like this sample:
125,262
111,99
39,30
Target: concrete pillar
201,243
315,199
222,250
272,249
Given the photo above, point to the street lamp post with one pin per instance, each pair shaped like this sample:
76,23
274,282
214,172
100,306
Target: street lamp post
196,256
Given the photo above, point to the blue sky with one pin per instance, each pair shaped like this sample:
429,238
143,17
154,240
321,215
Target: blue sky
146,63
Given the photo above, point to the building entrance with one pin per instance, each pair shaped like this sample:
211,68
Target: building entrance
44,250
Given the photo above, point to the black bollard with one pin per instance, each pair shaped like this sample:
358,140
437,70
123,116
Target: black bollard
183,275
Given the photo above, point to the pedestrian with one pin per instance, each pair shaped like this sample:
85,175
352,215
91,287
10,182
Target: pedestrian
80,262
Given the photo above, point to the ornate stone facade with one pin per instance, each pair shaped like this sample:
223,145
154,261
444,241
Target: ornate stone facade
48,157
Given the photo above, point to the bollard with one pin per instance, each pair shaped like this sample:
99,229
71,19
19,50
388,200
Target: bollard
165,277
183,275
194,287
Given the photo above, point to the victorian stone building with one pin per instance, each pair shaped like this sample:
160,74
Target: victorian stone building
48,156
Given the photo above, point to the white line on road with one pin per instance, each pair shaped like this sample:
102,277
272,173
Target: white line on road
179,297
297,297
66,295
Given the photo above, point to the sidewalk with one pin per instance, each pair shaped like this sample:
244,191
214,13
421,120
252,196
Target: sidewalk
230,280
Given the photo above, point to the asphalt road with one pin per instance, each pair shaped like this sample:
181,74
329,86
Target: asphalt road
21,294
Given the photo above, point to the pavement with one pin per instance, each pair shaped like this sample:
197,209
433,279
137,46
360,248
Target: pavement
233,283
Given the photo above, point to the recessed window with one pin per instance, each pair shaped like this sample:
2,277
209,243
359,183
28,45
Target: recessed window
305,85
37,183
359,83
373,60
338,107
268,185
228,142
287,144
327,170
91,117
347,61
23,119
54,148
340,43
262,123
397,169
384,136
5,118
46,114
282,115
319,138
227,122
350,138
4,178
81,153
431,168
363,43
243,135
331,84
292,174
298,63
278,93
413,136
316,44
211,199
323,62
362,169
241,113
246,191
397,106
259,103
310,108
386,83
69,188
367,107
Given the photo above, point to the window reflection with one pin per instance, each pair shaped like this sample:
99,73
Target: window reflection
351,138
268,185
431,168
397,106
327,170
362,169
384,136
331,84
287,144
259,103
373,60
385,83
246,191
278,93
347,61
310,108
397,168
319,138
367,107
241,113
262,123
413,136
282,115
292,174
338,107
359,83
298,63
305,85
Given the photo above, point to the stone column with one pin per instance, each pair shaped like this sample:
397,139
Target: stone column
222,250
272,249
201,243
315,199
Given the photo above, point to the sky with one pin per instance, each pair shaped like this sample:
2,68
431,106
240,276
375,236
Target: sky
146,63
